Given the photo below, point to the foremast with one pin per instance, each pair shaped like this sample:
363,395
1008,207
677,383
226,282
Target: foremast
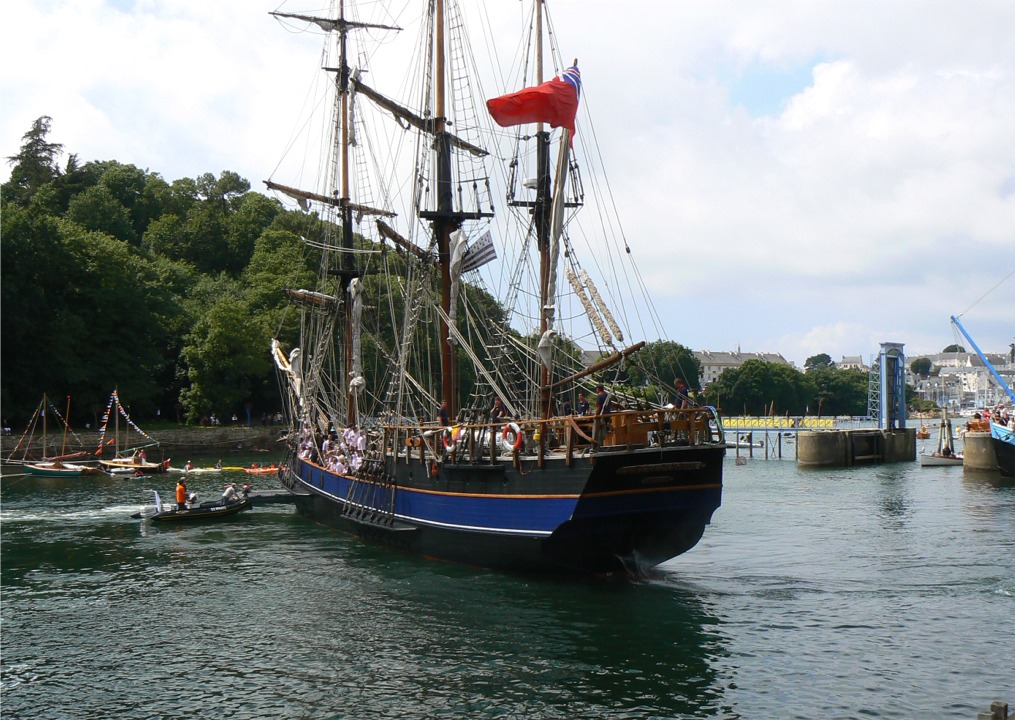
347,272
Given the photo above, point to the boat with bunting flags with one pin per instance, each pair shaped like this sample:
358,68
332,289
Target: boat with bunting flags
127,458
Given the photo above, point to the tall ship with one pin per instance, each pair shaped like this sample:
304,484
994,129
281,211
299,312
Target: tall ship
456,379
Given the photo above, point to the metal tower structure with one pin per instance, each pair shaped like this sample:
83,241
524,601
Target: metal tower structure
886,396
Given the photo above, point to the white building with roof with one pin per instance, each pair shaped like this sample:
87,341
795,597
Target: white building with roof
715,362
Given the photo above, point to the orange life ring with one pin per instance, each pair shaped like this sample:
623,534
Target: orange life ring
514,444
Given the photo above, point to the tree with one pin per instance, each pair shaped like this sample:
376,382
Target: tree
35,165
760,388
226,353
840,392
954,349
253,215
921,367
661,362
98,209
818,361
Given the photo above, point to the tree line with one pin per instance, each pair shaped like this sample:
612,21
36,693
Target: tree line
171,292
114,277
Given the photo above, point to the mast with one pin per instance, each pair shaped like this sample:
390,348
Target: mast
541,213
63,448
347,272
443,223
446,218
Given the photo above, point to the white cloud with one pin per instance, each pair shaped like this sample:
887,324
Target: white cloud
872,207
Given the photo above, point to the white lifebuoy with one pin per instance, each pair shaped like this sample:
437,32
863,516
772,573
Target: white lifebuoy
452,436
511,438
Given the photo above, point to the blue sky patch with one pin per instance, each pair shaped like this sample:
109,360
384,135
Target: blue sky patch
765,89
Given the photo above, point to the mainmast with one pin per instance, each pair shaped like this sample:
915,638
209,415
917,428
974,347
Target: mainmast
346,272
446,219
444,224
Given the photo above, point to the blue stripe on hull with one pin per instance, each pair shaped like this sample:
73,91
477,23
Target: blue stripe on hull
603,517
526,515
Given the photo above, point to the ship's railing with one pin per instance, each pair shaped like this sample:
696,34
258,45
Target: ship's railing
570,435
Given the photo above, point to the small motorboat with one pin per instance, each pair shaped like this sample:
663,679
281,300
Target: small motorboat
923,433
211,510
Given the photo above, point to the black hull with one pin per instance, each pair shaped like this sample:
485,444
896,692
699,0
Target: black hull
206,512
1005,452
628,511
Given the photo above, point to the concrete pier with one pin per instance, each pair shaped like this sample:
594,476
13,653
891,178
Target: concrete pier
978,452
845,448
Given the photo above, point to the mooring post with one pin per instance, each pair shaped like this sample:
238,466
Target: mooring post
998,711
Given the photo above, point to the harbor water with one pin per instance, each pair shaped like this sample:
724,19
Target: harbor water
869,592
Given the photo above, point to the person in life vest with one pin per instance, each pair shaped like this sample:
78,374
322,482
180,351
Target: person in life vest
181,495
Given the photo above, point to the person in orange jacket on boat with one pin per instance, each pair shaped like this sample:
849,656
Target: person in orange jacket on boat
181,495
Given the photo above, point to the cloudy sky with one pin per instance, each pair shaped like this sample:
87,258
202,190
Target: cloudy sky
828,175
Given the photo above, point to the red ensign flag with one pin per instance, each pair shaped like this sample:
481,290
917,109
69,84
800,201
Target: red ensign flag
554,102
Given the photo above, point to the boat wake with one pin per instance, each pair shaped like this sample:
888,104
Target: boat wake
68,515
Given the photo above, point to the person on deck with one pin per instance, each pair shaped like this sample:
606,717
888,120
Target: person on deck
498,411
583,404
682,398
442,414
181,495
602,401
567,409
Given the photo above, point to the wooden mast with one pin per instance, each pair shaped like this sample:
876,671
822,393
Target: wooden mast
444,222
63,447
541,217
347,272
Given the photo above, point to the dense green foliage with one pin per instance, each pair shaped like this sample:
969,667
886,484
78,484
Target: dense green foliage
112,277
822,360
762,388
171,292
921,366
